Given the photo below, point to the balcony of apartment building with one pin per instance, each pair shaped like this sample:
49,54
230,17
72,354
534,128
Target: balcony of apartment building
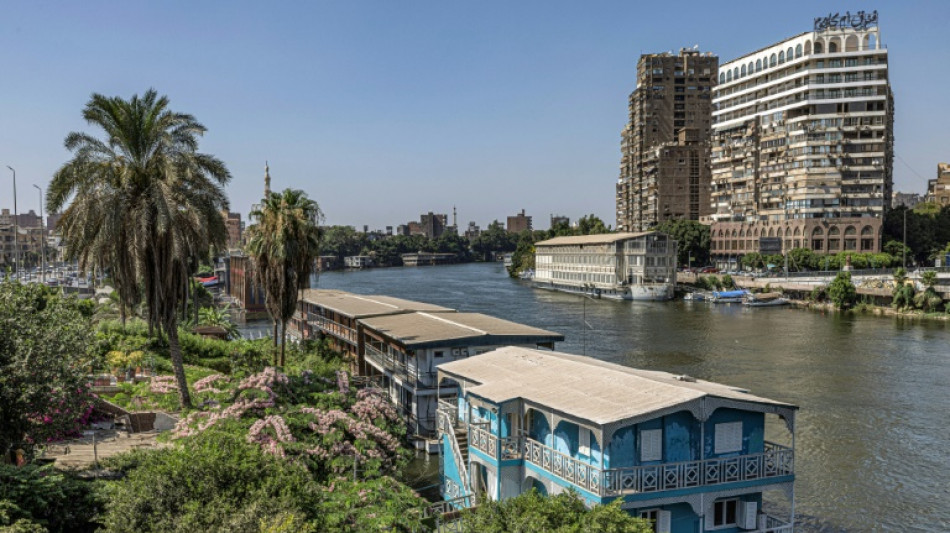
332,328
397,363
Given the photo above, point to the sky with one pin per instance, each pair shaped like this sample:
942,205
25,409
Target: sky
384,110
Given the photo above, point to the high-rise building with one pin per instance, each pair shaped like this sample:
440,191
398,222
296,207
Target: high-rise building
664,166
802,144
519,223
938,189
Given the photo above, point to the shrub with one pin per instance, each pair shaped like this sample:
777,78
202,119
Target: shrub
842,292
727,282
48,497
818,294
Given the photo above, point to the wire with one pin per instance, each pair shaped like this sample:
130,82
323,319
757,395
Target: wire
901,159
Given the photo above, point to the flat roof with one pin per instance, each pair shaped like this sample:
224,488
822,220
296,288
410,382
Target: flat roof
427,330
603,238
361,306
584,387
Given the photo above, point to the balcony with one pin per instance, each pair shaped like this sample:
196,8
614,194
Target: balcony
408,372
332,328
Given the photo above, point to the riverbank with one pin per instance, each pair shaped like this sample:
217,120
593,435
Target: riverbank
869,310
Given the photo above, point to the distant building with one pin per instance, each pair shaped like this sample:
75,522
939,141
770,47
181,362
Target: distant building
358,261
473,231
428,258
233,223
25,220
938,190
558,219
433,225
52,220
519,223
803,145
664,166
243,287
906,199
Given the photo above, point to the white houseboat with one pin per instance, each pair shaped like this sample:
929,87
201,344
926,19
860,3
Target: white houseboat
623,266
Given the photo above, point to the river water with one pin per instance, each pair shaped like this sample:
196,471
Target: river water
873,433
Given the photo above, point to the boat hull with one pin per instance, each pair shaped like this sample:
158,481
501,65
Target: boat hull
656,292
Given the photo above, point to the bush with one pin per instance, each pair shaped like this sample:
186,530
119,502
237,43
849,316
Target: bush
818,294
842,292
727,282
48,497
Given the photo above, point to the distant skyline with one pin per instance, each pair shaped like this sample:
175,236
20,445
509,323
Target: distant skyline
382,111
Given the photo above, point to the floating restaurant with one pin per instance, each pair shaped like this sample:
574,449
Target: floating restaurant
690,455
399,344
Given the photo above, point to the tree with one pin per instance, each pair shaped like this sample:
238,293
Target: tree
284,244
592,225
145,202
903,293
692,238
494,239
43,363
212,316
842,292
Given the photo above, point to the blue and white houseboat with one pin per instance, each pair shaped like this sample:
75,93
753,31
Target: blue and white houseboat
688,454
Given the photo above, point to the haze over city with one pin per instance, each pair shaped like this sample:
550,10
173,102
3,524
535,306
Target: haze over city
381,111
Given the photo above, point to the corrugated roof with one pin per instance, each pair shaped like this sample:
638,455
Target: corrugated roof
360,306
426,330
584,387
603,238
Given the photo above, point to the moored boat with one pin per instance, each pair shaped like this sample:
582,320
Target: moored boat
729,297
766,299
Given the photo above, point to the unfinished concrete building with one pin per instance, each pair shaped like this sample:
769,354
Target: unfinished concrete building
802,132
664,166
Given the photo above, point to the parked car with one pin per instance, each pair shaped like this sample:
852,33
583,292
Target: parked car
709,270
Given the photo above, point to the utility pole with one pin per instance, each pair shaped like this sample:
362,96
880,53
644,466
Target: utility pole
42,236
16,229
903,248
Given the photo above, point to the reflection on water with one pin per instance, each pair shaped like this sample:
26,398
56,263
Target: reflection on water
873,444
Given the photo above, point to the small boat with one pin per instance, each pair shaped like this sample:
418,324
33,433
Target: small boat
695,297
729,297
766,299
527,275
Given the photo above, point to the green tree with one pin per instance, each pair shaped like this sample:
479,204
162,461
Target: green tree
523,257
532,512
842,292
904,292
342,241
43,363
146,200
494,239
284,244
728,282
692,238
213,316
592,225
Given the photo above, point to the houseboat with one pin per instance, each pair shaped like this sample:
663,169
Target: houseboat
623,266
688,454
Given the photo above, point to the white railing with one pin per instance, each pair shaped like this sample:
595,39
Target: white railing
480,438
564,466
408,371
774,525
447,427
333,328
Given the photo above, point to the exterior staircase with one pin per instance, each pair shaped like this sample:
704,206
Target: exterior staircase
461,437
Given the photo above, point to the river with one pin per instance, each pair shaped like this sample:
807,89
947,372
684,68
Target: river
873,433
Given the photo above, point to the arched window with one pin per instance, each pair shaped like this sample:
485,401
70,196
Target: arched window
728,75
758,65
765,63
735,73
850,230
788,54
751,67
866,231
833,230
781,57
788,231
722,77
851,43
734,233
742,73
756,232
772,60
798,231
817,232
742,232
818,47
808,47
832,47
771,232
798,51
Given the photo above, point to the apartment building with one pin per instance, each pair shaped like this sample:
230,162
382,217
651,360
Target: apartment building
802,143
519,223
938,189
664,166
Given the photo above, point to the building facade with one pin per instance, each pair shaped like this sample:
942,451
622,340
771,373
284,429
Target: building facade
803,131
232,222
626,266
688,454
519,223
938,189
664,165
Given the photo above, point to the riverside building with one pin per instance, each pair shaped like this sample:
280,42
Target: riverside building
664,166
802,144
691,455
623,266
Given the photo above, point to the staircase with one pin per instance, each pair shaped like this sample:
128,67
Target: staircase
461,437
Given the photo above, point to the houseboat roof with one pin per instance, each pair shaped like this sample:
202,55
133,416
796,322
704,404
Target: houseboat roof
584,387
427,330
362,306
603,238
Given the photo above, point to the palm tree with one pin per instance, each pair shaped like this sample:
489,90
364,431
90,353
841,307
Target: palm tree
145,203
284,244
212,316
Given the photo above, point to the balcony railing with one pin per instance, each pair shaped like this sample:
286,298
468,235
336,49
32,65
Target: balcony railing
407,371
335,329
775,461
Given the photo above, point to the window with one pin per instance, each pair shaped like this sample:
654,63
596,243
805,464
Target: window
659,519
724,513
651,445
583,439
439,353
728,437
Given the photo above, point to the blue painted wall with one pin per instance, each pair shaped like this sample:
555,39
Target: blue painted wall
681,441
753,431
450,470
540,430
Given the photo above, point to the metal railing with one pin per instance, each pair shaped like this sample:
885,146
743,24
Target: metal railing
335,329
407,371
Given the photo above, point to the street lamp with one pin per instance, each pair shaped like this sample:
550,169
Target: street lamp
42,235
16,229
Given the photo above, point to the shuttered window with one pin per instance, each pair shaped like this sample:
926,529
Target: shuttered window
583,438
728,437
651,445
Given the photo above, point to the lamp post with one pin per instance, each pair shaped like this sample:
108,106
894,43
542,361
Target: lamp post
903,248
16,229
42,236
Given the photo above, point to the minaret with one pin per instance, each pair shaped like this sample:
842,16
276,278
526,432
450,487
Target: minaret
454,221
266,180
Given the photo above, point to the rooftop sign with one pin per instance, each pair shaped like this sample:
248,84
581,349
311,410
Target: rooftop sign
858,21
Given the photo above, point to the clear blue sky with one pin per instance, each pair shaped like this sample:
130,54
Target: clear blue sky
384,110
